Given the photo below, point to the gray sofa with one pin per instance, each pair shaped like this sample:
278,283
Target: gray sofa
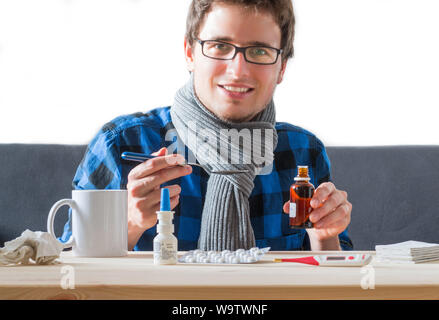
394,189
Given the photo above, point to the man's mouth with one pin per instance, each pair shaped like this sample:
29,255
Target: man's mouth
236,91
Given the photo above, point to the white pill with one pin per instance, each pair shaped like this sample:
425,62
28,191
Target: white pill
229,254
256,253
234,260
189,259
250,259
220,260
216,256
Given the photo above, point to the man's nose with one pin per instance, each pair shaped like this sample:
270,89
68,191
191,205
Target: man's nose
238,66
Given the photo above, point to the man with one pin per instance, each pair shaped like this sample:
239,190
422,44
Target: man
237,53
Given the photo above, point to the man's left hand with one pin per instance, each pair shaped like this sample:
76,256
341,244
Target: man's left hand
331,212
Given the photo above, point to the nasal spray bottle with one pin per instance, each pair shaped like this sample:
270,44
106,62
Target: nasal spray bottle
165,243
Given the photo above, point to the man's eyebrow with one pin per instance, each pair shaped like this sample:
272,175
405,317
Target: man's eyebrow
249,43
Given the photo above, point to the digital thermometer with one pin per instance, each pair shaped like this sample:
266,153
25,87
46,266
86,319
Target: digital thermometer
348,260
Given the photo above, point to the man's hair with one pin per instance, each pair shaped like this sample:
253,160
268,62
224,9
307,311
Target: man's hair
281,10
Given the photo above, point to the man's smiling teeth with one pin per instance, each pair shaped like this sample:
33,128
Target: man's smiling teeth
236,89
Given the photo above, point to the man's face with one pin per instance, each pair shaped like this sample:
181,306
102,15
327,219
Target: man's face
217,81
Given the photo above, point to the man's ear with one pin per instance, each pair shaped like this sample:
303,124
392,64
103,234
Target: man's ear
282,71
188,54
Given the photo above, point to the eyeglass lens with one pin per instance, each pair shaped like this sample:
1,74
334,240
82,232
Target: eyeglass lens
224,51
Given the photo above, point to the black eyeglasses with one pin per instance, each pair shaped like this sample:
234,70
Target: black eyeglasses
221,50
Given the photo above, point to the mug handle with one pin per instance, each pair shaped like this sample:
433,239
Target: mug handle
51,219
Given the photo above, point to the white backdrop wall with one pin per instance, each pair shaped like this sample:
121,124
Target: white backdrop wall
365,72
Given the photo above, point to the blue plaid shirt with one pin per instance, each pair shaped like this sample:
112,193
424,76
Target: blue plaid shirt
103,168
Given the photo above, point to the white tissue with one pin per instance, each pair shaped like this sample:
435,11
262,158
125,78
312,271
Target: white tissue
407,252
41,247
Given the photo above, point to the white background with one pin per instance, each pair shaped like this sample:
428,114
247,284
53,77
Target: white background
365,72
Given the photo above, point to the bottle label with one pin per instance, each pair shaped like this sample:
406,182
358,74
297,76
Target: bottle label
164,251
292,210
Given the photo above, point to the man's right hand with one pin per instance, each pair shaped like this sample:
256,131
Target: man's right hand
144,192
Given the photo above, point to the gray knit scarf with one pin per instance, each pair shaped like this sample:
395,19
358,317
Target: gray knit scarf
225,222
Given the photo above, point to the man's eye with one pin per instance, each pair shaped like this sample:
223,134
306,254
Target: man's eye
259,51
222,47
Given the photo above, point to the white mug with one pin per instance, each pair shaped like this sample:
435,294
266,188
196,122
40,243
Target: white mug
99,222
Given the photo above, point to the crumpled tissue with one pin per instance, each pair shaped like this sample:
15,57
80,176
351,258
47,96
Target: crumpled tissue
41,247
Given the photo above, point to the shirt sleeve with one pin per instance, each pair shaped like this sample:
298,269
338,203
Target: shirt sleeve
101,166
323,174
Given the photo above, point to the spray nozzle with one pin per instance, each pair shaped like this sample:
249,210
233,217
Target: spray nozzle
165,202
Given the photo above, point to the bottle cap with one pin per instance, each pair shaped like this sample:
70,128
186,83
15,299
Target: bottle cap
165,202
165,217
301,179
165,228
302,174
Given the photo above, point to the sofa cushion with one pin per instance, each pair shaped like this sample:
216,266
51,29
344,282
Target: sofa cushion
393,190
33,178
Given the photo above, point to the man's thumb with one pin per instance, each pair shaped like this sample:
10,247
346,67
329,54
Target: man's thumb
162,152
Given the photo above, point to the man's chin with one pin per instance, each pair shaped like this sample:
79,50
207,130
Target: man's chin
234,117
233,112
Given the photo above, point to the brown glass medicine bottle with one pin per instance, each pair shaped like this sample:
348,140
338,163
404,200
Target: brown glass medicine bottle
301,193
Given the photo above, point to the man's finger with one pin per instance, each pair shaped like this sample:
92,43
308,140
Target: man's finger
153,165
331,203
322,193
162,152
151,183
287,207
338,217
154,195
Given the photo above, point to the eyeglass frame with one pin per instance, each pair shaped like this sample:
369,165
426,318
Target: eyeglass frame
240,49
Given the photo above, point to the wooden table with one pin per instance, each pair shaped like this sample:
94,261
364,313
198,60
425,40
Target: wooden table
136,277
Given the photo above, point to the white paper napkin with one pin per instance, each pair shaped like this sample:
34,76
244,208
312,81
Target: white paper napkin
41,247
408,252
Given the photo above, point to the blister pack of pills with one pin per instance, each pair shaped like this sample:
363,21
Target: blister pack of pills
225,256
